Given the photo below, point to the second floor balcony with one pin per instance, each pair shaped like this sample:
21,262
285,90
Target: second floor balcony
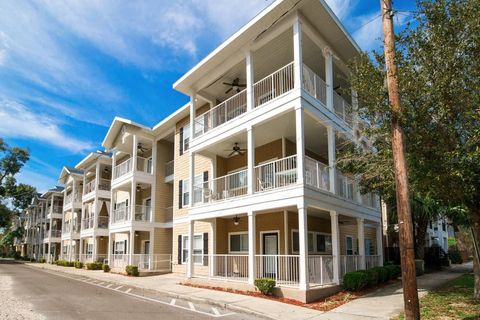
89,223
143,165
139,213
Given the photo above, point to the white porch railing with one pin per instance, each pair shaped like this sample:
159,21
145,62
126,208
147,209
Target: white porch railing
222,113
119,261
314,85
372,261
56,209
122,168
54,233
276,174
169,168
89,187
274,85
86,257
317,174
225,187
342,109
103,222
349,263
346,187
145,165
120,215
77,197
153,262
104,184
320,269
284,269
229,266
143,213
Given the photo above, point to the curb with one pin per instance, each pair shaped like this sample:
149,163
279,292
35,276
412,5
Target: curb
171,295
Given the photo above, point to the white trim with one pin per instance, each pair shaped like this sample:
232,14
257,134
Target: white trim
346,245
194,235
237,233
278,239
315,249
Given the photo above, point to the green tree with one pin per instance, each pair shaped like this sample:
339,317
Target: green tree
439,80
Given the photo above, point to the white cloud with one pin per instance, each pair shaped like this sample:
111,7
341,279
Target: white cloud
341,8
18,121
35,178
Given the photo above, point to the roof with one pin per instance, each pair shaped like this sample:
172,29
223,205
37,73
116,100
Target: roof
69,171
56,189
324,19
91,157
115,128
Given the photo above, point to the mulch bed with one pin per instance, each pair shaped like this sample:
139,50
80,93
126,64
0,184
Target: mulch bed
324,304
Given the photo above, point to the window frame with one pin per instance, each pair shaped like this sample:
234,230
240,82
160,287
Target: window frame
230,234
186,138
346,245
184,254
314,245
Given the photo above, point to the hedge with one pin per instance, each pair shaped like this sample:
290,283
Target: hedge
454,255
105,267
94,266
360,279
132,270
65,263
265,285
78,264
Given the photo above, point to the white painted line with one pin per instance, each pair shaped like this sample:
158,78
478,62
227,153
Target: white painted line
215,311
129,289
109,286
192,307
119,287
172,303
101,283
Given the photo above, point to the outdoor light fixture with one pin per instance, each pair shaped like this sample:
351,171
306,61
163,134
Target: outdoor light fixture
139,188
236,220
136,234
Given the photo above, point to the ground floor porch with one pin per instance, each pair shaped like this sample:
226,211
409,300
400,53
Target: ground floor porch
93,249
70,250
302,250
148,249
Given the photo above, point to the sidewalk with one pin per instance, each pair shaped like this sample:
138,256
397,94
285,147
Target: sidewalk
381,304
388,302
168,284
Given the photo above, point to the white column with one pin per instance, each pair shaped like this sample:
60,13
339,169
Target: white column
133,199
114,162
250,160
192,177
131,248
251,247
95,203
250,80
150,253
95,247
303,246
285,230
297,52
134,153
191,234
81,249
335,246
379,244
193,108
109,249
327,53
153,193
300,140
361,241
332,158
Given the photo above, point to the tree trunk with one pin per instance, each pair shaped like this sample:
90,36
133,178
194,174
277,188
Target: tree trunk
421,230
476,251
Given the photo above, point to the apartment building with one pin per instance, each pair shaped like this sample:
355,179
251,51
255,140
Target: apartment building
256,190
35,216
438,232
72,179
140,226
52,227
96,206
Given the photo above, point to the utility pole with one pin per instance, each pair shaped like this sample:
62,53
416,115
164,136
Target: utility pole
407,254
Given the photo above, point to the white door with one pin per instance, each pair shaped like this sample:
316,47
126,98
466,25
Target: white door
270,250
146,256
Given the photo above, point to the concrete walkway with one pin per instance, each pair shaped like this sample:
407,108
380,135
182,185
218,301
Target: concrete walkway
381,304
387,302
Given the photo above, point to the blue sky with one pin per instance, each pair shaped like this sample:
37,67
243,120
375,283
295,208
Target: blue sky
68,68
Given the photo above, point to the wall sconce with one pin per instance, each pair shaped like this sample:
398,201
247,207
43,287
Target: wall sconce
236,220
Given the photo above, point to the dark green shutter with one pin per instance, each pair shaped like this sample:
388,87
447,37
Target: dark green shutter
179,253
205,249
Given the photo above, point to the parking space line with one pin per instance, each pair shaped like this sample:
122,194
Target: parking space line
192,307
172,303
128,290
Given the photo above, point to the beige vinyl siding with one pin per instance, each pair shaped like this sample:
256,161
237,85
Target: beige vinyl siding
164,191
162,241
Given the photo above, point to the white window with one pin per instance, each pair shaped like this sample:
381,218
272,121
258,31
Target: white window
317,242
186,137
90,248
349,245
323,243
369,248
197,249
198,188
120,247
238,242
185,192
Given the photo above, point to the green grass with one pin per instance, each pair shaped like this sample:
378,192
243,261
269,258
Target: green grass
452,301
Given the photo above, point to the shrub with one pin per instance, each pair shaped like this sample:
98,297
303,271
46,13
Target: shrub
105,267
372,277
42,260
455,256
94,266
356,280
394,271
78,264
132,270
265,285
383,274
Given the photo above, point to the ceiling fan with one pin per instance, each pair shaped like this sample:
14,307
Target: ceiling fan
235,85
141,148
236,150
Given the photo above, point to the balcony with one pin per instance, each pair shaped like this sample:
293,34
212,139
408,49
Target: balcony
143,165
169,171
70,198
141,214
54,234
278,174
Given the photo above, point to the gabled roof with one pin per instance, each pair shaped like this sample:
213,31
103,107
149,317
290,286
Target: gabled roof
56,189
115,128
69,171
324,20
91,157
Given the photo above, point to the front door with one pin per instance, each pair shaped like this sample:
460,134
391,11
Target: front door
146,255
270,251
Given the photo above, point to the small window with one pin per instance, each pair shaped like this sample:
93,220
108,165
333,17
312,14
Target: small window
324,243
186,137
369,248
185,192
90,248
311,243
239,242
120,247
197,249
349,245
